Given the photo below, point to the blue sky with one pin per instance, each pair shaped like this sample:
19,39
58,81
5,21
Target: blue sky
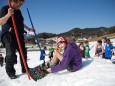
57,16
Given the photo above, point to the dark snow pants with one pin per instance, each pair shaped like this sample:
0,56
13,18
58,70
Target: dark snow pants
10,44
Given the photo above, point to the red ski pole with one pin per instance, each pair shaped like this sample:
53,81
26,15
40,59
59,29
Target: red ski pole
18,41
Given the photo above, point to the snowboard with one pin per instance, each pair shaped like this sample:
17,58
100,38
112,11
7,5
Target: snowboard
38,72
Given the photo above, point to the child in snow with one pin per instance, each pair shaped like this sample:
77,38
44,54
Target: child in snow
51,50
87,49
108,49
43,54
104,39
81,49
70,59
99,49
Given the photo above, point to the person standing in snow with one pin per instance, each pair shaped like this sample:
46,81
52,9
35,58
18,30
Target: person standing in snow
70,59
99,49
108,49
43,54
104,39
87,49
81,47
8,37
51,50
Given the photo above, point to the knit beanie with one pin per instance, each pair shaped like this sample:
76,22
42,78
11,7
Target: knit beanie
62,39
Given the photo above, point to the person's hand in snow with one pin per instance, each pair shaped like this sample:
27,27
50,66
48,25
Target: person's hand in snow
49,70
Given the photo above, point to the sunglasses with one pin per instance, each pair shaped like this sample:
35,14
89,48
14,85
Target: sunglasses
19,4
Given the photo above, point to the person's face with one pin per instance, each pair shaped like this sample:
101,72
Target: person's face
16,4
51,45
98,43
86,43
104,40
61,45
45,48
81,43
108,42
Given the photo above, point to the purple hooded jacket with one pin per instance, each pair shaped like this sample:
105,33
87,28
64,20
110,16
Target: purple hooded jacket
71,57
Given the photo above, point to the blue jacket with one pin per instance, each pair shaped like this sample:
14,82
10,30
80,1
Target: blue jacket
42,57
108,52
71,58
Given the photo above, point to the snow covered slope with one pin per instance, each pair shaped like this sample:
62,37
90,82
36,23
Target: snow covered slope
95,72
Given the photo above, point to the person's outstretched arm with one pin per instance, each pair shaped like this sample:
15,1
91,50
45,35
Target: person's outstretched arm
27,28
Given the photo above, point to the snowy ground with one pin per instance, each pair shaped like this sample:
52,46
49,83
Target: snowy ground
95,72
